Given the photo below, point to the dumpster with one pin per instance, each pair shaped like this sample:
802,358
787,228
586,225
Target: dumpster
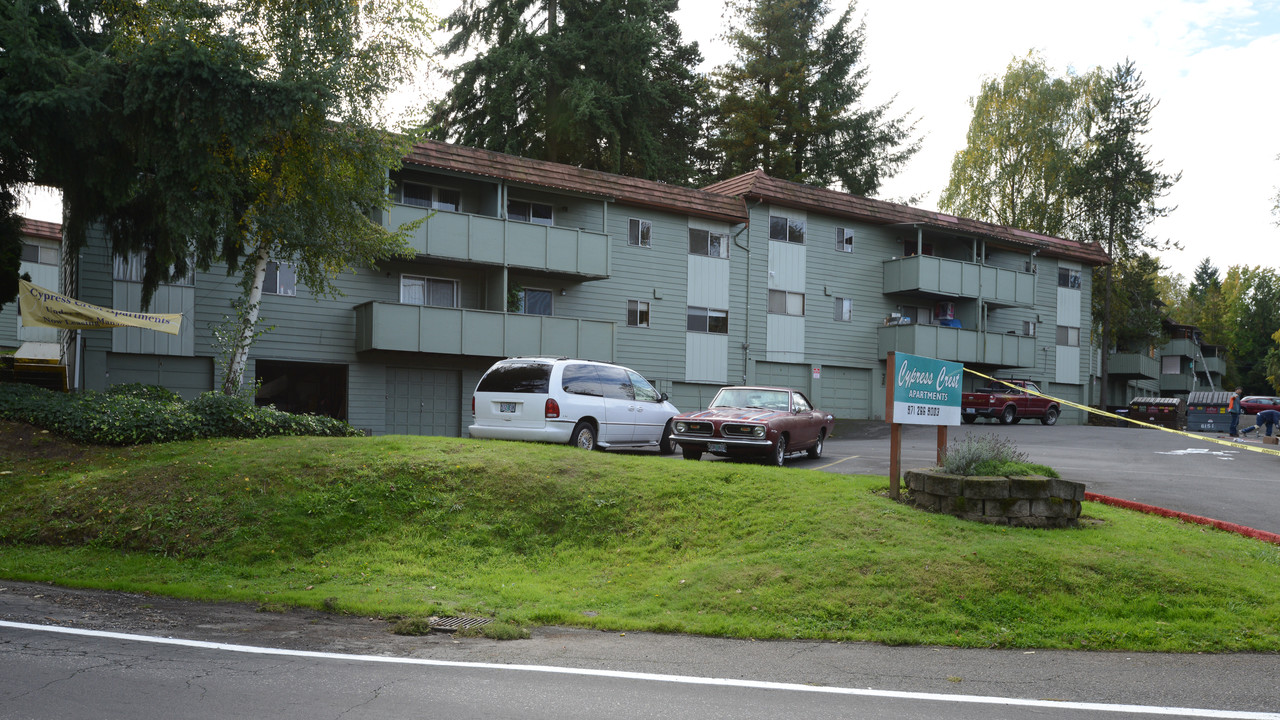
1165,412
1207,412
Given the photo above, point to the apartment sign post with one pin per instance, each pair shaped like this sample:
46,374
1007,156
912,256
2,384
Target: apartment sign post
924,391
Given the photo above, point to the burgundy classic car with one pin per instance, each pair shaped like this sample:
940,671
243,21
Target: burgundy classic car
1254,404
749,421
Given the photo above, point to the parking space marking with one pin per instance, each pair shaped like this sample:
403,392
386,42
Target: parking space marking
833,464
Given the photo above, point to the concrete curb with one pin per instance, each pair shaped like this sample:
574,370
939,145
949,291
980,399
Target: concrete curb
1185,517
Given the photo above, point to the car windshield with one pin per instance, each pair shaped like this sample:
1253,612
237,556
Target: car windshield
751,398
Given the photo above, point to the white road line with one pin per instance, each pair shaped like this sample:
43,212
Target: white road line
654,677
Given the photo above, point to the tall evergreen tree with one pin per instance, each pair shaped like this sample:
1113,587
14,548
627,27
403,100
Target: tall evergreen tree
602,84
791,100
1016,165
1204,281
1117,186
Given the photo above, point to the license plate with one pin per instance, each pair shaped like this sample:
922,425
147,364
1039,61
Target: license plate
507,407
715,447
971,410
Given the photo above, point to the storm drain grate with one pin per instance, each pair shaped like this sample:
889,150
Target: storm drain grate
452,624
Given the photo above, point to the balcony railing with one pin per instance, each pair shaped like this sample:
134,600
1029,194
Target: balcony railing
1134,365
1179,383
959,345
944,277
1182,347
455,331
481,239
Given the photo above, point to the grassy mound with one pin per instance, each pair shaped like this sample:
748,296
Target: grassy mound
534,534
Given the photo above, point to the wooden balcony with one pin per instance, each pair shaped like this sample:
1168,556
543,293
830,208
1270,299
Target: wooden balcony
456,331
494,241
942,277
959,345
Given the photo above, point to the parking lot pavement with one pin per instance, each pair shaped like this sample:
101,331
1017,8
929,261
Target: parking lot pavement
1187,474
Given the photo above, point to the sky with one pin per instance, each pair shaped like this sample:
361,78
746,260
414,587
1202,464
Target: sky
1212,65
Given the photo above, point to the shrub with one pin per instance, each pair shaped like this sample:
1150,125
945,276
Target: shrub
136,414
989,455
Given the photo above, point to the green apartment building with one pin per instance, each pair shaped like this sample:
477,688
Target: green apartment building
751,280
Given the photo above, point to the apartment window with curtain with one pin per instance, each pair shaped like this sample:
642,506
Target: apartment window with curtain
436,292
637,313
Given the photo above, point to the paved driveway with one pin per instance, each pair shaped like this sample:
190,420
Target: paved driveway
1148,466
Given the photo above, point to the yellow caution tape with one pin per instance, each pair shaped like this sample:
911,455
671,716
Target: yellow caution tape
1104,413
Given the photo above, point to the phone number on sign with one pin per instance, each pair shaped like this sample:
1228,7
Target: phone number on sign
924,410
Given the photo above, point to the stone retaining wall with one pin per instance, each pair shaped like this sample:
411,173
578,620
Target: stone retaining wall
1031,501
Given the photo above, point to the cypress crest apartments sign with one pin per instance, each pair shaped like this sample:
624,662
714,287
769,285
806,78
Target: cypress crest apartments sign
926,391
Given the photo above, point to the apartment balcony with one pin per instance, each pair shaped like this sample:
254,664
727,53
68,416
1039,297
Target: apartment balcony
494,241
1133,365
1215,365
959,345
455,331
943,277
1182,347
1182,383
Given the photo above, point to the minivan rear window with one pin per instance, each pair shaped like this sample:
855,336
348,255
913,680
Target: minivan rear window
517,378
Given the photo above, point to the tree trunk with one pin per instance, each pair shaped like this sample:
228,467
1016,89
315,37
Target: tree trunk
1106,313
239,360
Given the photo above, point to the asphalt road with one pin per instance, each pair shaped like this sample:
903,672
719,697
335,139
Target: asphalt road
1187,474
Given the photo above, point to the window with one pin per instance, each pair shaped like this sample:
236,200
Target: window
786,229
534,301
706,320
1170,365
131,269
641,389
705,242
844,310
415,194
419,195
1029,328
782,302
533,212
1069,278
637,313
917,315
281,279
577,379
1069,336
640,233
436,292
844,239
41,254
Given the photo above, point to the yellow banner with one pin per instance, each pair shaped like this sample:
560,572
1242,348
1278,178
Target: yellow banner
49,309
1233,443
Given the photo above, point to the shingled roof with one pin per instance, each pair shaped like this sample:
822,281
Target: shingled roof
631,191
760,186
41,229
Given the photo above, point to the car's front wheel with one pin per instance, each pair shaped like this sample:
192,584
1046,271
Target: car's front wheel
780,451
815,452
1050,417
584,436
666,445
690,453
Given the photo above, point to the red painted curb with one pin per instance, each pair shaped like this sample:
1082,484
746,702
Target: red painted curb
1185,517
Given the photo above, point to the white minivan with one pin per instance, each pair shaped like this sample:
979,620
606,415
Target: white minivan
580,402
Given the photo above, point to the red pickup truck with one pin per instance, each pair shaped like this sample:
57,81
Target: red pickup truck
1008,404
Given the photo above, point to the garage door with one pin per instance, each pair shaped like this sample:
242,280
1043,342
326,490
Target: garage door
846,392
424,402
783,375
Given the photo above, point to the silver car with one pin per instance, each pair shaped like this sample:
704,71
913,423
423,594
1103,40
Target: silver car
579,402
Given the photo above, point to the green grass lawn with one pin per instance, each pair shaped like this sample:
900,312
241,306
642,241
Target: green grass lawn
534,534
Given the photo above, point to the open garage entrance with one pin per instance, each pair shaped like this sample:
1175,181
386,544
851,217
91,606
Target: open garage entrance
298,387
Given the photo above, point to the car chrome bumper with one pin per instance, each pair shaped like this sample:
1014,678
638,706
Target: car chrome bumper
728,442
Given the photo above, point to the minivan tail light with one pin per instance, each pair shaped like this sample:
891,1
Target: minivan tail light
552,408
